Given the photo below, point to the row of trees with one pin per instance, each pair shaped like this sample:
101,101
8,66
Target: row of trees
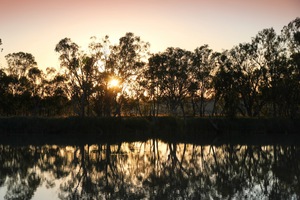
259,78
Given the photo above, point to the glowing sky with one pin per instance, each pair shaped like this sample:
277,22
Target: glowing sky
36,26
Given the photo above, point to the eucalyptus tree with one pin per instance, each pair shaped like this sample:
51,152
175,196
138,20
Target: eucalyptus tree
225,85
20,63
55,101
6,94
80,69
126,61
201,78
105,93
249,78
290,35
152,81
35,77
1,49
21,67
170,71
270,58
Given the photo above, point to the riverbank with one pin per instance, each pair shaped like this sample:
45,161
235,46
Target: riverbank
92,129
139,125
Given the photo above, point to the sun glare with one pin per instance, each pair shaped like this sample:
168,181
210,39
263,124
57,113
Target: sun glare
113,83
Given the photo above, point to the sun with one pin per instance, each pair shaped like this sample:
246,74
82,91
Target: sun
113,83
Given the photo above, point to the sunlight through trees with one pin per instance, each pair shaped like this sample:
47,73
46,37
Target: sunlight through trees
259,78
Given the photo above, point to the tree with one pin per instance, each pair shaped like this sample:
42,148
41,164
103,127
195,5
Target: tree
290,36
126,62
20,63
152,81
80,69
0,45
105,94
21,69
201,78
225,85
270,58
54,94
6,99
171,69
249,78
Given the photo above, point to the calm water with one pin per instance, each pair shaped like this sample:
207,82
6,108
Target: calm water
149,170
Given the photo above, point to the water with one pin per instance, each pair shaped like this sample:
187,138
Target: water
152,169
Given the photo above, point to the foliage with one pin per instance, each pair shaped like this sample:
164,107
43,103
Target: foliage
255,79
1,44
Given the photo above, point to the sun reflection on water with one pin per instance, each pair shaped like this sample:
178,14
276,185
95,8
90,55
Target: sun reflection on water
149,169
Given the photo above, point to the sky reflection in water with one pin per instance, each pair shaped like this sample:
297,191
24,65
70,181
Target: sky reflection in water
149,170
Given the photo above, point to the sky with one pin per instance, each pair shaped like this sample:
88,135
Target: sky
36,26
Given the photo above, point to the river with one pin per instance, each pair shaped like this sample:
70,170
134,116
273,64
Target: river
150,169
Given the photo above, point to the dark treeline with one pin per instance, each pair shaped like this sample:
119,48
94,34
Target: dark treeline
259,78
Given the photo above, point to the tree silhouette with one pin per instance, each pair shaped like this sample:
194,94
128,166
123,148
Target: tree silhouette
249,78
20,63
80,70
152,82
0,45
6,99
23,86
55,101
225,85
290,35
258,78
126,61
171,69
201,78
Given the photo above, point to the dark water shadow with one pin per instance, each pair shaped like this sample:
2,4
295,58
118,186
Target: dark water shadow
200,139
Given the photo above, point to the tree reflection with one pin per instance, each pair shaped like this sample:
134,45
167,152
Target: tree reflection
21,177
153,170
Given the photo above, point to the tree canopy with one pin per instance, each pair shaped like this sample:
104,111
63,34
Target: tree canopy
258,78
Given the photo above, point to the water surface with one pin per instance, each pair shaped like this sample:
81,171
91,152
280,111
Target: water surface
152,169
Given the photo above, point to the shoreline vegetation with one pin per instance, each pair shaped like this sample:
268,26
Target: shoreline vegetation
31,130
257,79
251,91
